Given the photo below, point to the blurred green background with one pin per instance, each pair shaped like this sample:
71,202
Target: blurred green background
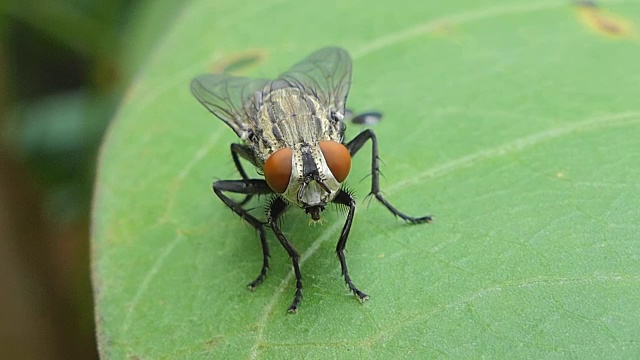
63,70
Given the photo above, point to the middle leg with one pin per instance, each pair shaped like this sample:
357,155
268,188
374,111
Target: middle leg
355,145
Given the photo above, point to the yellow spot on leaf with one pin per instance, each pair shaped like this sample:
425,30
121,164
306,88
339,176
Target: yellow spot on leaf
603,22
443,29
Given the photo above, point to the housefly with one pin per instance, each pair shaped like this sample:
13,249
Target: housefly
292,130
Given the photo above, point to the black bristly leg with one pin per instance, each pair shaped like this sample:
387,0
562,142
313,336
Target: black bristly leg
277,207
249,187
354,145
343,198
237,149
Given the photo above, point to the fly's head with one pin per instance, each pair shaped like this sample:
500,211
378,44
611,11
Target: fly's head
308,175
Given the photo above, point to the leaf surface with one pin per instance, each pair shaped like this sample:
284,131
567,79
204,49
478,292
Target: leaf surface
517,124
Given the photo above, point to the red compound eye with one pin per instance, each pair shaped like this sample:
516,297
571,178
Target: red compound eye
337,157
277,170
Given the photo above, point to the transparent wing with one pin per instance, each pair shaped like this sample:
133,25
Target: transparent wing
325,73
232,99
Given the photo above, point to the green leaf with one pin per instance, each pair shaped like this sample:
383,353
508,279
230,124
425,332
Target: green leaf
517,124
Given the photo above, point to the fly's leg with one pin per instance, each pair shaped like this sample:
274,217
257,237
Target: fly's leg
343,198
355,145
277,207
248,187
237,149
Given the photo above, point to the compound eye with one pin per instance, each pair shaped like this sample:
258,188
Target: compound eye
277,170
338,159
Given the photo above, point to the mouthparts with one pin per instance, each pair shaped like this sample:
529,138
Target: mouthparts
314,211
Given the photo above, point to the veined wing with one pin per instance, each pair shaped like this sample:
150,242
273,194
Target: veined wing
326,74
232,99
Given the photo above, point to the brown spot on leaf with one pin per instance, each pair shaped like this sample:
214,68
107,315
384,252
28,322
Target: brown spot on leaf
603,22
214,342
240,62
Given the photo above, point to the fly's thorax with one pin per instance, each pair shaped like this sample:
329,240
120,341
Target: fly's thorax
290,117
308,175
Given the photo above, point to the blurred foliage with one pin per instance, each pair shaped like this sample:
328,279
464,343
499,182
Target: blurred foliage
62,72
63,80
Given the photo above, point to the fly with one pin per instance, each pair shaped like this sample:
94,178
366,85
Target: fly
292,131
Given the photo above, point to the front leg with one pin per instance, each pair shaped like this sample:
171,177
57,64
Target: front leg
343,198
248,187
245,152
277,207
355,145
